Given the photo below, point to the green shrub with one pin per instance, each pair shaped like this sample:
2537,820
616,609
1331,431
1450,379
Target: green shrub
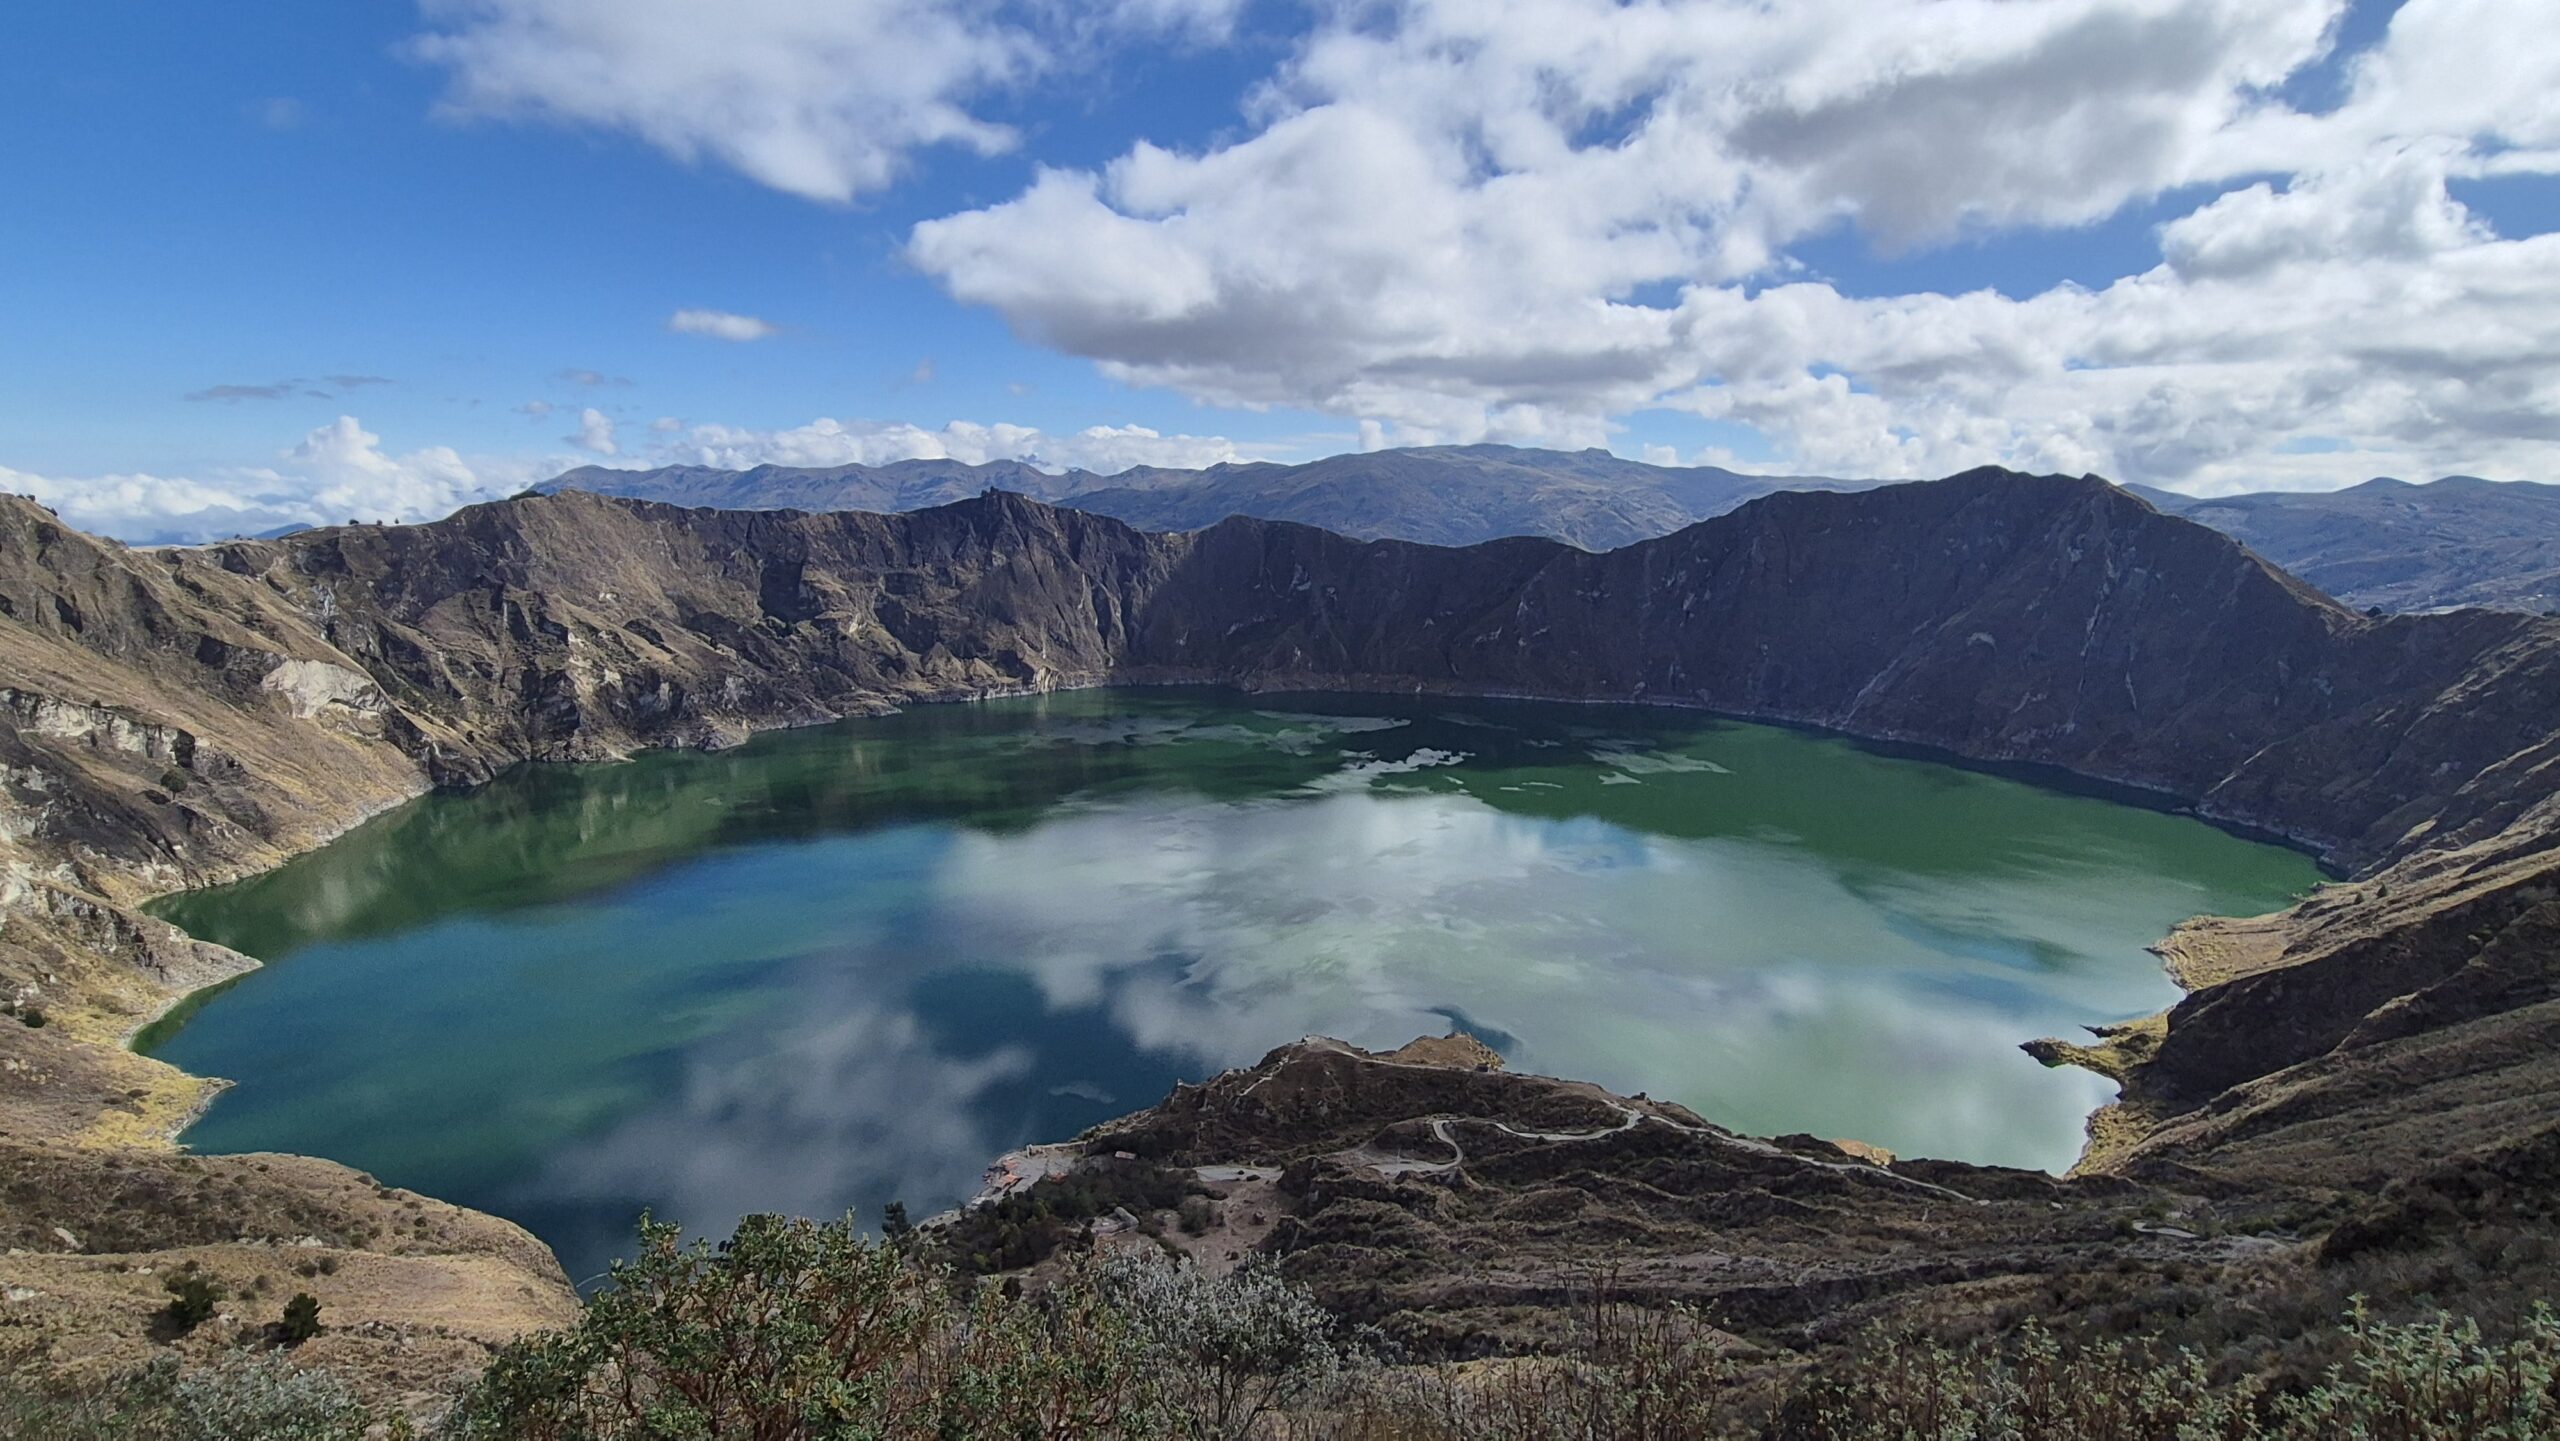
805,1331
264,1396
802,1329
809,1331
301,1319
192,1297
1642,1376
1228,1350
2436,1381
239,1398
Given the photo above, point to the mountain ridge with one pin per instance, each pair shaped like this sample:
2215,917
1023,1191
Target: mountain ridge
2387,543
2457,541
186,716
1442,495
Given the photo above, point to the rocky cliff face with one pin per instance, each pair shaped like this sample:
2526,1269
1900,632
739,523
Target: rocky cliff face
2002,617
182,716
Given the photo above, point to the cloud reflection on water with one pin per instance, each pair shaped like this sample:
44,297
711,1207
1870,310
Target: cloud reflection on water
1173,939
830,970
847,1106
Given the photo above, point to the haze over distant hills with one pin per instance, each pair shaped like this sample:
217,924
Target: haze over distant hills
2457,541
1450,495
2387,543
1440,495
899,486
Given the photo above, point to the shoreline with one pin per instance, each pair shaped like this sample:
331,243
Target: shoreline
713,742
239,965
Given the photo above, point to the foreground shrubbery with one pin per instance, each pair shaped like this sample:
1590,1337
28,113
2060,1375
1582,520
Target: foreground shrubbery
796,1329
1639,1376
254,1396
1030,1225
803,1331
2433,1381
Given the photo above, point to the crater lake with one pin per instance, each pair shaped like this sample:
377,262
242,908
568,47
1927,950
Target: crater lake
839,966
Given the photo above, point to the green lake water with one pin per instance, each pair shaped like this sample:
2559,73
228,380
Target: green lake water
839,966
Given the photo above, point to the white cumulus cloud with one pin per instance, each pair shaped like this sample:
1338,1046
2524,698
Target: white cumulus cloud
824,100
336,473
720,325
1456,221
595,433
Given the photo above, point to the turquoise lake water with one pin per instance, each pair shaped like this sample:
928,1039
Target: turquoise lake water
839,966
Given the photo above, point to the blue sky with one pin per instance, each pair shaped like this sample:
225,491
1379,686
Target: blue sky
237,195
1265,229
243,195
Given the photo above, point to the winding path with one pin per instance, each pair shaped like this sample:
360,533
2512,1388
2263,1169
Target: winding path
1630,1118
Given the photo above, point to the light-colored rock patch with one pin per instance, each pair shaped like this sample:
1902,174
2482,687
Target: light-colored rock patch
312,686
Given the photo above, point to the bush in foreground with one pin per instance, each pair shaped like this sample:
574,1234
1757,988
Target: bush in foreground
806,1331
800,1329
192,1298
248,1396
1637,1376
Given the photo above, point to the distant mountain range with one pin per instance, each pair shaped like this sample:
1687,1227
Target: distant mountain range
2386,543
2457,541
901,486
1447,495
1439,495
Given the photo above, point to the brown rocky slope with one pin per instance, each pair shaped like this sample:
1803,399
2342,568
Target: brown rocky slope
183,716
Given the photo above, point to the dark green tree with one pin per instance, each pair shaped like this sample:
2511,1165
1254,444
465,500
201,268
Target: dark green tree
192,1297
301,1319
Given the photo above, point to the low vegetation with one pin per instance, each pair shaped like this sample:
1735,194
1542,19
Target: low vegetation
1028,1226
801,1329
250,1396
301,1320
796,1330
192,1297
